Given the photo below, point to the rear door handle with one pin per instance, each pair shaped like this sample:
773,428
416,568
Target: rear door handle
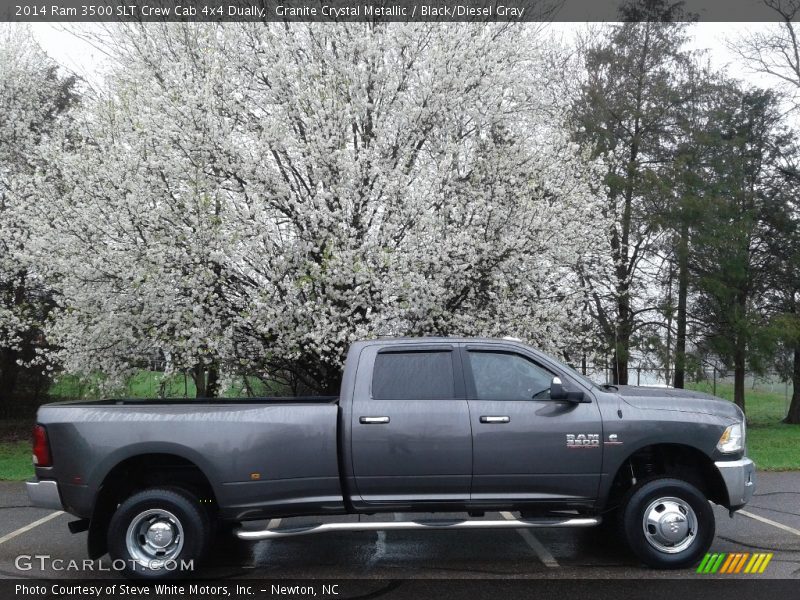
491,419
373,420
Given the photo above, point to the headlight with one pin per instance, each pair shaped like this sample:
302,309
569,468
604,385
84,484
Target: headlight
732,439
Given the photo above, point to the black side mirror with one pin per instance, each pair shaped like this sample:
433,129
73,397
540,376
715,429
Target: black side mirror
557,392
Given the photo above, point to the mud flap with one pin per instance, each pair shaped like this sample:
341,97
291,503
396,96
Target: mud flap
97,540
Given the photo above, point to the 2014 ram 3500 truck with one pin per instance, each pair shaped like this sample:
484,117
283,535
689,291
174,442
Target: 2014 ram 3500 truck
420,425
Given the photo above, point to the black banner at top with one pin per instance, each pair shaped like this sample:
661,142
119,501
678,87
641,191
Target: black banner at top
385,10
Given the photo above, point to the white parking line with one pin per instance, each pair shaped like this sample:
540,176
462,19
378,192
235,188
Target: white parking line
537,546
380,545
273,523
770,522
29,526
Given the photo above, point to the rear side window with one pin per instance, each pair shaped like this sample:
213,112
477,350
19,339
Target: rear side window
413,376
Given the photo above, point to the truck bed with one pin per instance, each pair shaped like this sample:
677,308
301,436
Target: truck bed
259,454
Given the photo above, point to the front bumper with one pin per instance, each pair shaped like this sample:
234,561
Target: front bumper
740,480
44,493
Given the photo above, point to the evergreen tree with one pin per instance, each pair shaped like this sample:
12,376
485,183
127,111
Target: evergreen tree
784,293
733,265
626,113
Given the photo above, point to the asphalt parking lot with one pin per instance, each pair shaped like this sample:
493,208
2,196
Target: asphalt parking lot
771,523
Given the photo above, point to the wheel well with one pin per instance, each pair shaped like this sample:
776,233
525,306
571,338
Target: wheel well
674,460
137,473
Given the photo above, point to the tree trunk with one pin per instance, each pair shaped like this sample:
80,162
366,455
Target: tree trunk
212,383
793,415
740,349
622,343
670,317
738,377
199,376
9,369
619,374
9,374
206,381
683,292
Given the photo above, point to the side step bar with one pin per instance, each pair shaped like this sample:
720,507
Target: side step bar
271,534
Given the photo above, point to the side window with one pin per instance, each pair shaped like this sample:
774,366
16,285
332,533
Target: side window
505,376
413,376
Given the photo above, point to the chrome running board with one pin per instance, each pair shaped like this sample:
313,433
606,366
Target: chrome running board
270,534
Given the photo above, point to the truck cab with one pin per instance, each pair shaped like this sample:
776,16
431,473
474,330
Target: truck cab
469,423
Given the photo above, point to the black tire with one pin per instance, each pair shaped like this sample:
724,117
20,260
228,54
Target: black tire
681,527
153,517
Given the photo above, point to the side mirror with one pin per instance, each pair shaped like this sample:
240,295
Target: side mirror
557,392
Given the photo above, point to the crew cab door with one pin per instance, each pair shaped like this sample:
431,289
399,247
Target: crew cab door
520,436
410,428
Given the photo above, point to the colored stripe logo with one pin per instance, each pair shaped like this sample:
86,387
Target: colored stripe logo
735,562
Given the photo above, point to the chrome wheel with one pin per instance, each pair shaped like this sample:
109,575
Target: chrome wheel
669,524
154,537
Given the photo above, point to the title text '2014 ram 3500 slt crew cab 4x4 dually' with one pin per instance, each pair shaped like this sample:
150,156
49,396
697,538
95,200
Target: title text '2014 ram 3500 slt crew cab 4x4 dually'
420,425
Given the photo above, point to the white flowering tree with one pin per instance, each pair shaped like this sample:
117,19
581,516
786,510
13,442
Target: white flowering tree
34,102
253,198
137,249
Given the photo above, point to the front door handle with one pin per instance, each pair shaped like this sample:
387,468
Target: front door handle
490,419
373,420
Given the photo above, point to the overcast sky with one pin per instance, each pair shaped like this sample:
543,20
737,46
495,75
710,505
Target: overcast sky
81,58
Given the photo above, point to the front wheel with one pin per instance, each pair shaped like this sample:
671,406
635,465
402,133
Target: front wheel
158,533
668,523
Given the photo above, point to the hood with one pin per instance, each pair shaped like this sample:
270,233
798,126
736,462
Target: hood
680,400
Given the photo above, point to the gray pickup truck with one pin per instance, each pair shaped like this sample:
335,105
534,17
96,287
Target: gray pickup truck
421,425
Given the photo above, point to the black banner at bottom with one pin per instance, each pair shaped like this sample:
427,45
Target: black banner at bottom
417,589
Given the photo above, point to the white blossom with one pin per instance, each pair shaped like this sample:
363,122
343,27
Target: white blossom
33,97
253,198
